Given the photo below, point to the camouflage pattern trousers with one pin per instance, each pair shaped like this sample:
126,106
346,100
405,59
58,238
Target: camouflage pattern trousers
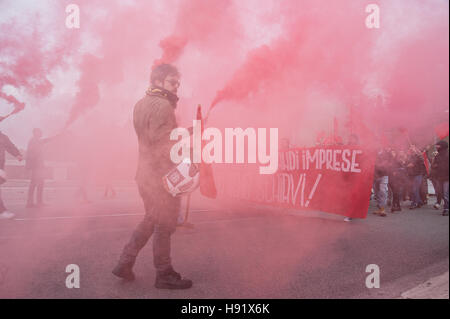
161,214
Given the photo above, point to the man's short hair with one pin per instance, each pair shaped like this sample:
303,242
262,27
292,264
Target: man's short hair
162,71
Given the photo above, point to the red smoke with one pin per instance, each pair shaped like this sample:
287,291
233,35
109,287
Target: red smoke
442,130
321,54
389,77
88,94
307,53
294,65
28,58
172,47
197,21
261,66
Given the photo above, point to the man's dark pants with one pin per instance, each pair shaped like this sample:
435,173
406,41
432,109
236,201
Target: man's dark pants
437,184
161,214
397,185
416,185
445,195
37,181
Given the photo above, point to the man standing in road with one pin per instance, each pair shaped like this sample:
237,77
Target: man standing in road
35,164
154,119
6,146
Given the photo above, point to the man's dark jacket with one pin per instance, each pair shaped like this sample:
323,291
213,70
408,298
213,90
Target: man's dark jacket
154,119
35,153
439,167
418,167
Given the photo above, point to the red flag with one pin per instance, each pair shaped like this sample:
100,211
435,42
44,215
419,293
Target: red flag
207,185
426,162
442,130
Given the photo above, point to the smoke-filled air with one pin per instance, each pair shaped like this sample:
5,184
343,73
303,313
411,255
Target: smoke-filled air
294,65
77,80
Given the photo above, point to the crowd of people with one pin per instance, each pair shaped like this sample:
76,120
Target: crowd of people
402,175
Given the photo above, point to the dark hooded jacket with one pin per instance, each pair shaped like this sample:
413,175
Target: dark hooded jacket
154,119
6,146
439,167
418,165
35,153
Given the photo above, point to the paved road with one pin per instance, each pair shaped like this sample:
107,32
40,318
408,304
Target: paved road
233,252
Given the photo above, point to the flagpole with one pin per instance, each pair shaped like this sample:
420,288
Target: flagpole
186,216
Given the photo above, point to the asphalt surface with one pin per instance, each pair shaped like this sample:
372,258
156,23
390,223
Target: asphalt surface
232,252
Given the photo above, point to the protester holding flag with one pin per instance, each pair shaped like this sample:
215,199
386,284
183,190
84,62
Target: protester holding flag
440,172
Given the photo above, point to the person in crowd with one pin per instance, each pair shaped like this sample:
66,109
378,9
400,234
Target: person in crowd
397,178
381,180
416,171
435,180
440,171
35,165
390,154
424,186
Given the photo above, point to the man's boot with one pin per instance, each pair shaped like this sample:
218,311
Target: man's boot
124,271
380,212
173,273
170,279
